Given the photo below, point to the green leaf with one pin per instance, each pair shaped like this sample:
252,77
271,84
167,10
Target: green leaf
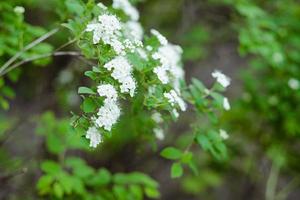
51,167
176,170
44,184
55,143
152,192
102,177
58,190
92,75
89,105
75,6
171,153
187,157
198,84
85,90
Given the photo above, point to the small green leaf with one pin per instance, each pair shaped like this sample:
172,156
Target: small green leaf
50,167
44,184
171,153
89,105
176,170
85,90
58,190
152,192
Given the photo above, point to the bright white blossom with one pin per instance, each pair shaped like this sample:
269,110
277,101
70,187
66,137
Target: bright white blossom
128,9
162,74
294,84
173,99
108,91
162,39
157,117
19,9
94,135
134,30
226,104
223,134
175,113
159,133
128,85
221,78
107,29
170,68
122,72
108,114
149,48
142,53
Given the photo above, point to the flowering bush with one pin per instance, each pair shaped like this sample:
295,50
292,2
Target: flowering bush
135,77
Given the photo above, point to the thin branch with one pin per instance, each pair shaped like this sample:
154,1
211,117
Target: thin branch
66,44
272,182
29,46
59,53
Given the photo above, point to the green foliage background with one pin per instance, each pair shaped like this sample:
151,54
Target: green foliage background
43,157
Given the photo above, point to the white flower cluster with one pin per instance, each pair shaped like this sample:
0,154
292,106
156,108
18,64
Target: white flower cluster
173,99
108,114
128,9
162,39
225,82
94,135
122,37
108,30
19,9
294,84
122,72
221,78
223,134
158,131
169,71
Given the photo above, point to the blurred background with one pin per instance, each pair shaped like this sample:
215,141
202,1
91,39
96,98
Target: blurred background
255,42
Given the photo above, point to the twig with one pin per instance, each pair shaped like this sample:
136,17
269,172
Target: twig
272,182
59,53
29,46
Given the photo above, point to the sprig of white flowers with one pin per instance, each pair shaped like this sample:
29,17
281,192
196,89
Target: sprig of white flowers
126,38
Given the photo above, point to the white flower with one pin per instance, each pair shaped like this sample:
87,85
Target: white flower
19,9
221,78
173,99
94,135
108,91
162,75
122,72
277,57
175,113
294,84
159,133
149,48
107,29
170,68
142,53
162,39
128,85
157,117
223,134
108,115
128,9
132,45
226,104
134,30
